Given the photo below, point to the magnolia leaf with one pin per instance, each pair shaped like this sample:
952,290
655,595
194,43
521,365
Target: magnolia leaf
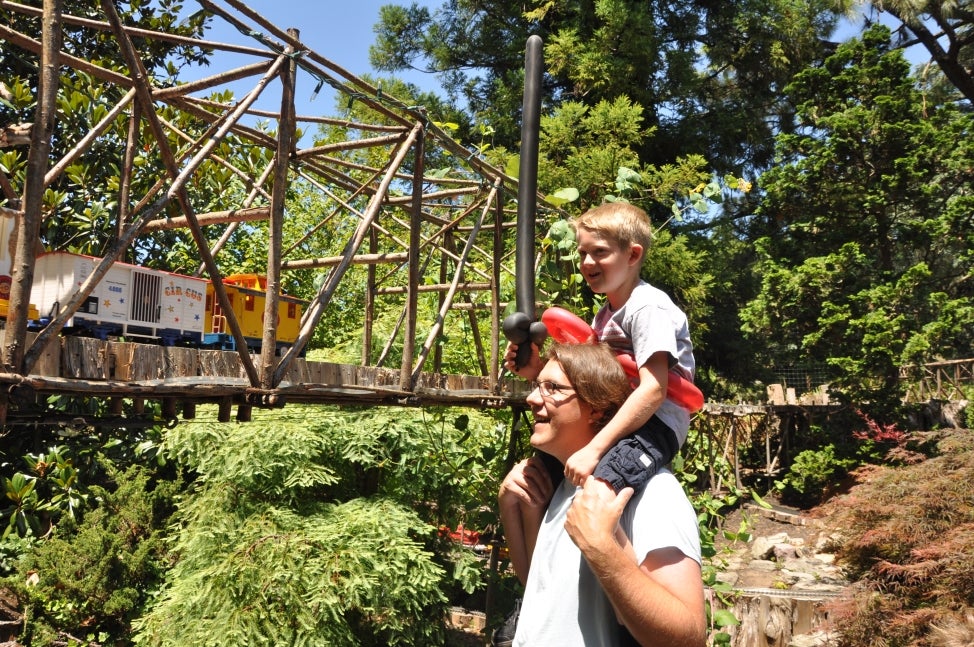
628,175
513,166
724,618
447,125
563,196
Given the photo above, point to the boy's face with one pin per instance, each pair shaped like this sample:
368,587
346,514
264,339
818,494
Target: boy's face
606,266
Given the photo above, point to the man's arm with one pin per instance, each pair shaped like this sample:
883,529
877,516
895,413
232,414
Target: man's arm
639,407
522,499
660,601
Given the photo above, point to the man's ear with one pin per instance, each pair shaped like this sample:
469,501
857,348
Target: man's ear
598,419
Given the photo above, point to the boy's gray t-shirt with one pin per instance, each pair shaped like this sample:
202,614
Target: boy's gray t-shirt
649,322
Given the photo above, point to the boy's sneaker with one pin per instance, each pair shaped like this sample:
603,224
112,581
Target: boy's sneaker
504,635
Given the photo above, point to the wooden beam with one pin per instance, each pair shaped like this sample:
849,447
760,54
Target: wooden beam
26,232
207,219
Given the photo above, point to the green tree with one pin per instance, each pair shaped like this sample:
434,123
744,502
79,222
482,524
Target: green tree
81,207
866,258
708,75
944,29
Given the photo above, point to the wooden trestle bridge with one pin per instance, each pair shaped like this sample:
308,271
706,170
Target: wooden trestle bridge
418,234
439,239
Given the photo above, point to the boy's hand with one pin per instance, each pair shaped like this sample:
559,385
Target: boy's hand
581,464
530,370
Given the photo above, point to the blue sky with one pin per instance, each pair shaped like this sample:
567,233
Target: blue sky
341,31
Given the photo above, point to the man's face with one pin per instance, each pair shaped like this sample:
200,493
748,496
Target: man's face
563,423
604,264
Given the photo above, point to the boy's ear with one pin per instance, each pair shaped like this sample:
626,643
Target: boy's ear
635,252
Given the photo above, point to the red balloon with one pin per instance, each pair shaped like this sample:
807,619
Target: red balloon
567,328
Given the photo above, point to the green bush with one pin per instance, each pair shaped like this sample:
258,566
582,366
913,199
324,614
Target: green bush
323,530
93,576
810,476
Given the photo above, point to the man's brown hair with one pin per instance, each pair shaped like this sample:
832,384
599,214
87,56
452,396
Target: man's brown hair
595,374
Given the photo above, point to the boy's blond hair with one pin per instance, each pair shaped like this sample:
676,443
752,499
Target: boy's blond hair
620,222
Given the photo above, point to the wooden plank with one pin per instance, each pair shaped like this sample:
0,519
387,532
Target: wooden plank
180,362
85,358
219,363
49,361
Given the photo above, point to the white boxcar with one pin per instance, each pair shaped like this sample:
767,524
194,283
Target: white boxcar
130,301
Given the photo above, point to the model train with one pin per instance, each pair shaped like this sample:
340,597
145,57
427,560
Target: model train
141,304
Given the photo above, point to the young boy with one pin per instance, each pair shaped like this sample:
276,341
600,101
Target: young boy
648,430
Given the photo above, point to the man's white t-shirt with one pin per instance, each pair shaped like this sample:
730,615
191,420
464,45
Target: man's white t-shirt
564,604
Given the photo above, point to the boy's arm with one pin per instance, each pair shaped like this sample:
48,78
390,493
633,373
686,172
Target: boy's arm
639,407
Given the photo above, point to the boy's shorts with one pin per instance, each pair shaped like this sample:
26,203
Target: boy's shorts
637,458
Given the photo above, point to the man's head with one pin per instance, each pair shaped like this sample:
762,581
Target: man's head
579,389
612,242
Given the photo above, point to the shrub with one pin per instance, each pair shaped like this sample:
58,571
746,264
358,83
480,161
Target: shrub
810,476
92,577
909,541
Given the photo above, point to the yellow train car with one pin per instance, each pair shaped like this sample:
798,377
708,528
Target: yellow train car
246,293
32,314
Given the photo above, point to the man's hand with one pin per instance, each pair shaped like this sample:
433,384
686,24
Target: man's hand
527,486
594,516
581,464
530,370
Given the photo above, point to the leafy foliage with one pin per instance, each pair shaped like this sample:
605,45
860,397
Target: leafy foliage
864,245
81,207
92,577
324,532
908,539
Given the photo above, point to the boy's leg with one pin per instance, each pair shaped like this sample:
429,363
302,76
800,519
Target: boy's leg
637,458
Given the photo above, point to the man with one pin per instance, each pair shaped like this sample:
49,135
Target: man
593,561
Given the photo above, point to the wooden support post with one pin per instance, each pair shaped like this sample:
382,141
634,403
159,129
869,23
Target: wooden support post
168,408
495,291
369,300
415,239
244,413
225,407
189,410
275,229
27,230
128,163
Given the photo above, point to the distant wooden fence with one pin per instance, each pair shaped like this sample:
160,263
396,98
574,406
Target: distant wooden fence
951,380
758,439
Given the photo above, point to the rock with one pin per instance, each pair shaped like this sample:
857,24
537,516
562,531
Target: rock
763,547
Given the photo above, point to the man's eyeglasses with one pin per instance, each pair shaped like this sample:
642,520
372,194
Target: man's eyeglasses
549,389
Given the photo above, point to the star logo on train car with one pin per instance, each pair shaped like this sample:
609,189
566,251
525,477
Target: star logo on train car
172,309
107,303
